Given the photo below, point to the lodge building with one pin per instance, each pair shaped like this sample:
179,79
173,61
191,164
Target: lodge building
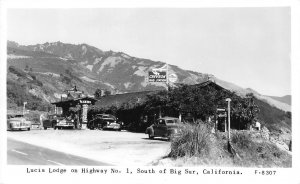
78,104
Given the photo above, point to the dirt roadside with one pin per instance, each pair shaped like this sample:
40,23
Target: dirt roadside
117,148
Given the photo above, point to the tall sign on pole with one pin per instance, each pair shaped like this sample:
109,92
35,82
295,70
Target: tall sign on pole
159,75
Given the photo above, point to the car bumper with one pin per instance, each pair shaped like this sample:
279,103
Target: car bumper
65,125
112,127
19,127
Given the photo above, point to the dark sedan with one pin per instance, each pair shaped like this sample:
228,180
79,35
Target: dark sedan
164,127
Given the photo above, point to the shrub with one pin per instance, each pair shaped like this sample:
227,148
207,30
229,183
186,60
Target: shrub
242,140
193,141
17,71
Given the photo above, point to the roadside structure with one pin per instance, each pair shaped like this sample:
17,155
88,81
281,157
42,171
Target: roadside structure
131,108
75,104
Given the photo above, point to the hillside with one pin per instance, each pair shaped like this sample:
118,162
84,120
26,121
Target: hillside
52,68
285,99
242,92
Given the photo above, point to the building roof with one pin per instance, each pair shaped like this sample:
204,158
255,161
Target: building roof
120,99
210,83
73,101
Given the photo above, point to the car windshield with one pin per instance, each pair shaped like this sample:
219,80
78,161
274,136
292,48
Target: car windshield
55,116
108,116
19,116
172,121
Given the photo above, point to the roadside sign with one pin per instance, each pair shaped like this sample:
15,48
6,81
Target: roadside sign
173,77
157,76
84,113
85,102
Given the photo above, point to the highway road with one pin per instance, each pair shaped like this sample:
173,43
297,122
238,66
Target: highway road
20,153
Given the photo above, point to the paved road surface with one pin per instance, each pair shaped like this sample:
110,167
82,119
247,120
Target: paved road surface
20,153
120,148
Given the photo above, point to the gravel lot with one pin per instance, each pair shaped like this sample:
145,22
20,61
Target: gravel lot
117,148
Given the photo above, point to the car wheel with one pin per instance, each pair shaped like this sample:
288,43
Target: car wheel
28,129
45,128
55,128
150,136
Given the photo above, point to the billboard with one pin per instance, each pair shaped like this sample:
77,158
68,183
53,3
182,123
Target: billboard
157,76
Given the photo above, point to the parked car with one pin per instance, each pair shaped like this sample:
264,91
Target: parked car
34,118
112,126
164,127
104,121
17,122
58,121
189,120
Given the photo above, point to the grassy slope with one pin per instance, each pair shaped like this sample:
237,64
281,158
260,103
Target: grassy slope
272,117
197,146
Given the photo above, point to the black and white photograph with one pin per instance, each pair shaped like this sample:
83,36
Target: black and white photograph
157,87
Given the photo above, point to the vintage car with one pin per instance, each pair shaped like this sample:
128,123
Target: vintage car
112,126
17,122
164,127
58,121
103,121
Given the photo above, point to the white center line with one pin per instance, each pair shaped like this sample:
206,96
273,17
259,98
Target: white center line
55,162
19,152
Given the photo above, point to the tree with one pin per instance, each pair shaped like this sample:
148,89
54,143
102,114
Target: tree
107,92
202,102
98,93
26,68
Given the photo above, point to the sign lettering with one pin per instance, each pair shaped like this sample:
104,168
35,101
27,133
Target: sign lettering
157,76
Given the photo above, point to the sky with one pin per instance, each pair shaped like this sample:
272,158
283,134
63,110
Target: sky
249,47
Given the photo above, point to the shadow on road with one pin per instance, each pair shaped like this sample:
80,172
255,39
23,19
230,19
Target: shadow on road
158,139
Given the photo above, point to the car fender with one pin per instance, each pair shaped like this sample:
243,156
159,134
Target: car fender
150,130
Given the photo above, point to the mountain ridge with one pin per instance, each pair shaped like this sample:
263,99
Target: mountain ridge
91,68
285,99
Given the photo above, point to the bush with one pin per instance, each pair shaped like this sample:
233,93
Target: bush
243,141
17,71
194,141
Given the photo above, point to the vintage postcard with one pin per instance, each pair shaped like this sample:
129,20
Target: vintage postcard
149,93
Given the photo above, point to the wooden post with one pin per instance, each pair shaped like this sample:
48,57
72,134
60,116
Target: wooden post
179,117
228,100
225,128
24,109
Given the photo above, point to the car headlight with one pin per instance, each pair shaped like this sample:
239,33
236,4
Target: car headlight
72,120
